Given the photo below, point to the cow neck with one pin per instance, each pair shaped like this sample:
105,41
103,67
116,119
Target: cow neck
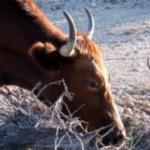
27,24
50,32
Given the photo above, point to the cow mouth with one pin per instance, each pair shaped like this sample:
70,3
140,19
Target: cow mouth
110,135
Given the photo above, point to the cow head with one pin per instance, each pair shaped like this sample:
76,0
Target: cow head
79,62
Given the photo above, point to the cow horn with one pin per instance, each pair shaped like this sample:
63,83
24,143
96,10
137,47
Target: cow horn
91,25
68,50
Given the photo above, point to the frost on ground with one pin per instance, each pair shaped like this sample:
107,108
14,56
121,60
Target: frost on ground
123,33
26,123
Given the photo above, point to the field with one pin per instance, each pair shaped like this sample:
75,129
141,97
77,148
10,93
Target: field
123,33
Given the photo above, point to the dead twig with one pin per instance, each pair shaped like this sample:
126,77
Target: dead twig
148,62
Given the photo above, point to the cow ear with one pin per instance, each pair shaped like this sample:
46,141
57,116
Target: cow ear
43,55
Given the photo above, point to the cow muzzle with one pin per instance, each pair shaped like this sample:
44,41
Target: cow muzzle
112,135
114,132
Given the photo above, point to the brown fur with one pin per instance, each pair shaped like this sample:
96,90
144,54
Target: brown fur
29,52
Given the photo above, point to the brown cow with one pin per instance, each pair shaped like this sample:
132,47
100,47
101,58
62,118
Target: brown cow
32,50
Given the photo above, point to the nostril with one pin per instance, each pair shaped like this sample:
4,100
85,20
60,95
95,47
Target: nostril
119,136
114,137
122,134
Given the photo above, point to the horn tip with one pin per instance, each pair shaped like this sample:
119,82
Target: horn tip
65,12
87,10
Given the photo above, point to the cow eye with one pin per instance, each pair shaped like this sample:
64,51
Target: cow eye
92,85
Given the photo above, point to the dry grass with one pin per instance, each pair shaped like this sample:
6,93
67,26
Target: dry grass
23,116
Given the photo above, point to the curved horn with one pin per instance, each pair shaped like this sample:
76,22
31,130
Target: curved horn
68,50
91,26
